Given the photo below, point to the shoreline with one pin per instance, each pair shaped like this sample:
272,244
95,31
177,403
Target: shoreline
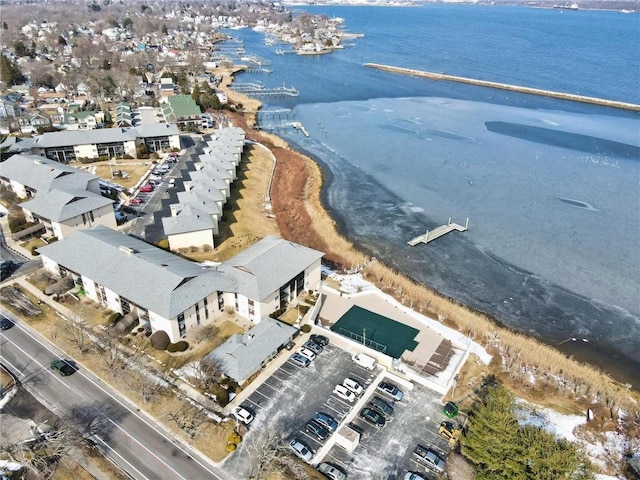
303,218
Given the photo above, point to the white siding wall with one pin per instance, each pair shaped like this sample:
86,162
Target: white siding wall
130,148
170,326
50,266
90,151
174,141
312,277
197,239
101,216
18,189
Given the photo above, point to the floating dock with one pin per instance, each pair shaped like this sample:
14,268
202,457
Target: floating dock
506,86
438,232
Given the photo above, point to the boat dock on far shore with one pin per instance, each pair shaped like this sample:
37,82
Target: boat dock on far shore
506,86
438,232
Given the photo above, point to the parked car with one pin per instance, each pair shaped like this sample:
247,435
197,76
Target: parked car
317,429
326,420
365,361
5,323
429,457
7,268
382,406
146,188
413,476
63,367
372,416
344,393
135,201
319,339
305,352
243,415
300,360
331,471
314,347
353,385
301,450
390,389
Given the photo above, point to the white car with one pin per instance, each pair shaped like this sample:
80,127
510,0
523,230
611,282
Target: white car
305,352
344,393
354,386
242,415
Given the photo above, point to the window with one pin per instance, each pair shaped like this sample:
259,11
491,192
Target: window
220,301
125,305
182,327
197,314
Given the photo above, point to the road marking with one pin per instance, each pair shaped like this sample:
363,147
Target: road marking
131,409
16,369
145,448
118,455
46,369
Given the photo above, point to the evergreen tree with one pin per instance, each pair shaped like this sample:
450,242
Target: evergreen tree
501,448
491,439
10,73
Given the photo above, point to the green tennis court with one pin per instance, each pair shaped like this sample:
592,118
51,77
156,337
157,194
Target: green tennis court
376,331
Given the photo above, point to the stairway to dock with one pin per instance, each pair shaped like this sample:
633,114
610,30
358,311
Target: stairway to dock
438,232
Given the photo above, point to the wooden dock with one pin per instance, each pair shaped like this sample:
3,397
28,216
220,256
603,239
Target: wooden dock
505,86
438,232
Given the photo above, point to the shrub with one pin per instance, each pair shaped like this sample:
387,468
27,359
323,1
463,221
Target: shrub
231,447
34,252
159,340
235,438
127,157
114,318
306,328
172,348
181,346
163,244
222,396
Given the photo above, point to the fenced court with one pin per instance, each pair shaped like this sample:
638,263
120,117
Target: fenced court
376,331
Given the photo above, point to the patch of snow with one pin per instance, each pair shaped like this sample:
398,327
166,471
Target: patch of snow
7,398
6,467
549,420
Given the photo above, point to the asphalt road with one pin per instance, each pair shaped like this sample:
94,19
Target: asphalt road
128,437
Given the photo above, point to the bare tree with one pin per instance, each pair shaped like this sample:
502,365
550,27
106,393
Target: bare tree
204,332
147,383
112,356
265,452
207,373
78,334
188,419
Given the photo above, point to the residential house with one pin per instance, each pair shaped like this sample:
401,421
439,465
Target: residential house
243,355
68,146
62,198
115,270
31,123
194,219
183,111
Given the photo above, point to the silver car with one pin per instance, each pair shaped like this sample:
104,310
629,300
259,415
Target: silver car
301,450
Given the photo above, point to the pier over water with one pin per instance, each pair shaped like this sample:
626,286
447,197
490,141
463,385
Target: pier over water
506,86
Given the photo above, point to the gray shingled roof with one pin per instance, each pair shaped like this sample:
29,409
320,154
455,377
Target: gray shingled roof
142,273
103,135
242,354
84,137
58,205
43,174
265,266
188,221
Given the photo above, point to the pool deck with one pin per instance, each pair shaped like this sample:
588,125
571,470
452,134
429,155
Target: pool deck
336,305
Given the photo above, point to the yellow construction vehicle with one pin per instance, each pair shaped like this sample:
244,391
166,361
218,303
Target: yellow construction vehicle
449,431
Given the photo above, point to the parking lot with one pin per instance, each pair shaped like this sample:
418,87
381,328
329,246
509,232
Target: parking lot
287,399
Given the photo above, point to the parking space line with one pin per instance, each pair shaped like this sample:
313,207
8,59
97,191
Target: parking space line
260,393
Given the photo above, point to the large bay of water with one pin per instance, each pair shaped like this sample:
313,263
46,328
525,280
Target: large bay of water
551,188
